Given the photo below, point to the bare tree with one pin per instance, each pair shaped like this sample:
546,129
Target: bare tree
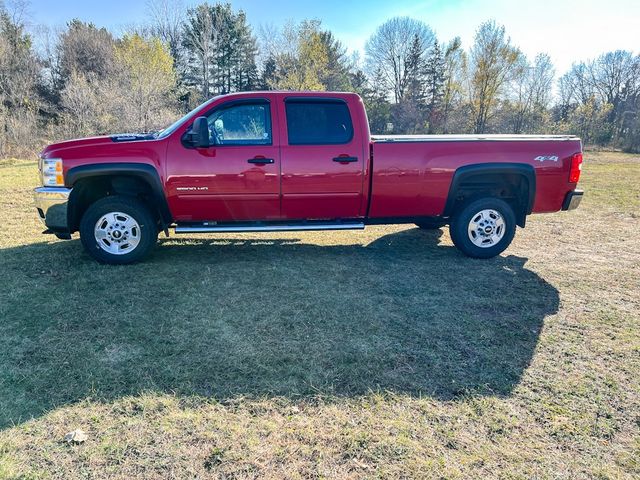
532,92
167,18
17,11
389,51
86,49
615,78
492,63
19,80
276,40
454,67
611,84
577,84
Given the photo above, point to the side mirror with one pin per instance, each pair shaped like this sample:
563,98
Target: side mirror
198,136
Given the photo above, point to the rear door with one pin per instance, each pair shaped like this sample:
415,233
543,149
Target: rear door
322,159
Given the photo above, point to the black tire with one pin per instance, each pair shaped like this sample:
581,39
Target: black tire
430,224
147,235
459,227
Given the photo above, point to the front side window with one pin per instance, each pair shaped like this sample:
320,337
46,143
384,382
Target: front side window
246,124
318,122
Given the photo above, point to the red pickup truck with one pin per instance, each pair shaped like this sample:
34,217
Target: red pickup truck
283,161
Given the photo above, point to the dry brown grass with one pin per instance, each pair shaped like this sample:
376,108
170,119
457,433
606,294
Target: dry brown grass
381,354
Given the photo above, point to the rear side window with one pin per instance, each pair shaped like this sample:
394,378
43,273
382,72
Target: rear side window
318,122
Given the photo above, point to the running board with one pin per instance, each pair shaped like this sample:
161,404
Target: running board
204,228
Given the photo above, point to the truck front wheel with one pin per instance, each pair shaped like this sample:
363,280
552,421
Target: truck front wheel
483,228
118,230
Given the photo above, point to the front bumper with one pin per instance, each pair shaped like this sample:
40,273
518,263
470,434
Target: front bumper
51,203
572,200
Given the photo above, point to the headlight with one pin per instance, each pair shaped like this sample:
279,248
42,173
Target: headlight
51,172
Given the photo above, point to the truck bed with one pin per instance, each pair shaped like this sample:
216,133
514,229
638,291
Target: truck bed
411,174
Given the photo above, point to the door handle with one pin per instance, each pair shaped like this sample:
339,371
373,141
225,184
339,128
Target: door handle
261,161
345,159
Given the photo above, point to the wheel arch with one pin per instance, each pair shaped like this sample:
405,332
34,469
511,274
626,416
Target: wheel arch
513,182
92,182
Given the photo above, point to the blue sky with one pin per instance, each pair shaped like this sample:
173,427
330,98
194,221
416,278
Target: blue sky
568,30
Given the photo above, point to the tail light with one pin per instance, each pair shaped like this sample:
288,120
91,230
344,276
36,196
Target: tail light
576,168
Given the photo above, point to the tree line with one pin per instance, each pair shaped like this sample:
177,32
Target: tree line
84,80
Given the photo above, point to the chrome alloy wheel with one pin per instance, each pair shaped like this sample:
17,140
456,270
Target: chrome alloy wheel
117,233
486,228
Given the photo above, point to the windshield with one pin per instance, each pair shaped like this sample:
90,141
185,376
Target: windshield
175,125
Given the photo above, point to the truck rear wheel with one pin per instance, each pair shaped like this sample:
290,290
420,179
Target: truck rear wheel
483,228
118,230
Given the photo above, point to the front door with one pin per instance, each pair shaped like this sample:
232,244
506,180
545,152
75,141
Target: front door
322,159
237,178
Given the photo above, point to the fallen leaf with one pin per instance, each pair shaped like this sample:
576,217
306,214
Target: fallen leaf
77,436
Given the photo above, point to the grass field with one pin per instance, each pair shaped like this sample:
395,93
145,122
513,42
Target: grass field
376,354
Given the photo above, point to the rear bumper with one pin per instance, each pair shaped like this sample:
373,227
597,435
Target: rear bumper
51,203
572,200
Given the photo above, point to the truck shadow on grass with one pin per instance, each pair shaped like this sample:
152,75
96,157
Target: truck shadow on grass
265,317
